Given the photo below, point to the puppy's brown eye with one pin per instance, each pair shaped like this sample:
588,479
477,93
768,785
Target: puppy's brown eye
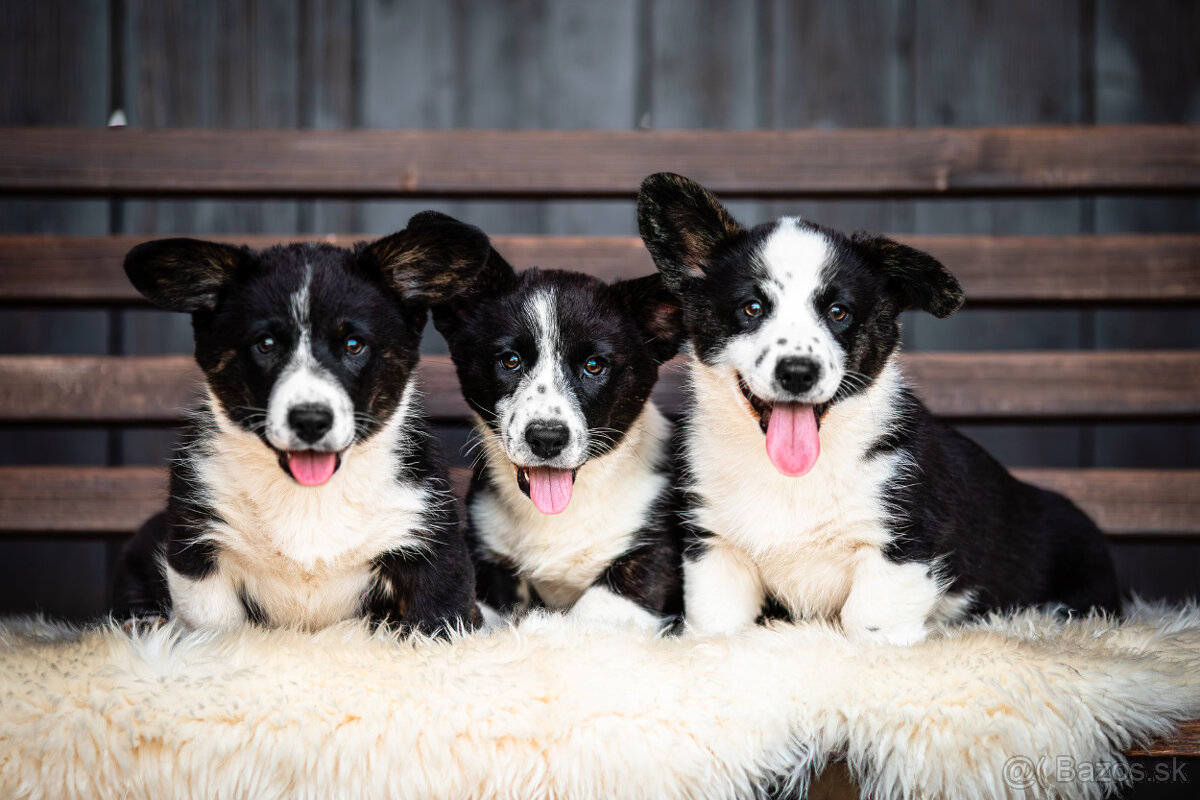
510,361
752,309
838,313
594,365
355,346
265,344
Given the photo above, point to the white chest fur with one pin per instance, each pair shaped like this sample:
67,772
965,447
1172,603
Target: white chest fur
563,554
303,554
805,536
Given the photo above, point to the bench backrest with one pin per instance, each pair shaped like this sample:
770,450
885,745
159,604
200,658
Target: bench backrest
997,271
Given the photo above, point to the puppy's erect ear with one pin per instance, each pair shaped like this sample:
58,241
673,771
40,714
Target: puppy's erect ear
917,279
497,277
432,259
185,275
682,225
657,313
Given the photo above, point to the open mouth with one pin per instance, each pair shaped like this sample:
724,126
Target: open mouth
792,431
310,467
548,487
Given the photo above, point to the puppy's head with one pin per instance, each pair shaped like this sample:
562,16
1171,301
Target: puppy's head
796,317
309,347
557,365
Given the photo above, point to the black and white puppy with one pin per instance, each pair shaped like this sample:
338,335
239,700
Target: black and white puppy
814,477
571,499
305,490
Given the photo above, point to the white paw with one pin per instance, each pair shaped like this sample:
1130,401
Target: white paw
715,625
899,635
599,606
492,618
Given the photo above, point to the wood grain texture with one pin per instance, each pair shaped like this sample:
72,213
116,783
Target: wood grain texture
71,500
995,270
56,57
1129,502
80,500
812,81
864,162
962,386
1185,742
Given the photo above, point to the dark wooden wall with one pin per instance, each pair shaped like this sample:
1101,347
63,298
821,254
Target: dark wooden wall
619,64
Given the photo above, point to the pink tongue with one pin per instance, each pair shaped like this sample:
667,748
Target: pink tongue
792,441
550,489
312,469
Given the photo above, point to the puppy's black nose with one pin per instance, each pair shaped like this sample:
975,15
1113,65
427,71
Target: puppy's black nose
547,440
797,375
310,422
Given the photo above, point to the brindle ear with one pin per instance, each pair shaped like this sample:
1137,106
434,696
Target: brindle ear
432,259
496,277
185,275
657,312
917,279
682,224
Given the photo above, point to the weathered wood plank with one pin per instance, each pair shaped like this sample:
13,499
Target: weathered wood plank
79,500
811,84
864,162
964,386
326,95
1185,742
995,270
56,57
1126,502
222,64
1148,70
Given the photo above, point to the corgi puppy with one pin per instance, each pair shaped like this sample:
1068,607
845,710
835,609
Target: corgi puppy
814,477
306,489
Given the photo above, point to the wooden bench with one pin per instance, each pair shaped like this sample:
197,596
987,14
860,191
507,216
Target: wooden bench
997,271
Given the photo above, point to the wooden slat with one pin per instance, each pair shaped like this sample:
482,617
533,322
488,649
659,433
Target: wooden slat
81,500
985,386
995,270
1184,742
1129,502
870,162
1054,384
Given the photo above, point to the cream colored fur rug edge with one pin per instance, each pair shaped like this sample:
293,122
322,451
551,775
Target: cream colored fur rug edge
553,709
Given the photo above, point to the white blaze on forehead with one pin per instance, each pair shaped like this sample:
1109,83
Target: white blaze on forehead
793,267
543,394
795,258
305,382
300,305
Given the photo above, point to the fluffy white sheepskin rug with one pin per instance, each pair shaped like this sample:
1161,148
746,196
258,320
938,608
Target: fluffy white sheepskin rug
550,709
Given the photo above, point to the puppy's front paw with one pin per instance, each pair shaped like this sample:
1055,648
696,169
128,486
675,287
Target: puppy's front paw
601,607
899,635
492,619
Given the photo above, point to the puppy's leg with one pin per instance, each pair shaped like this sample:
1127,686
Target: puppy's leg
431,590
601,605
890,602
722,590
211,602
141,600
641,588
